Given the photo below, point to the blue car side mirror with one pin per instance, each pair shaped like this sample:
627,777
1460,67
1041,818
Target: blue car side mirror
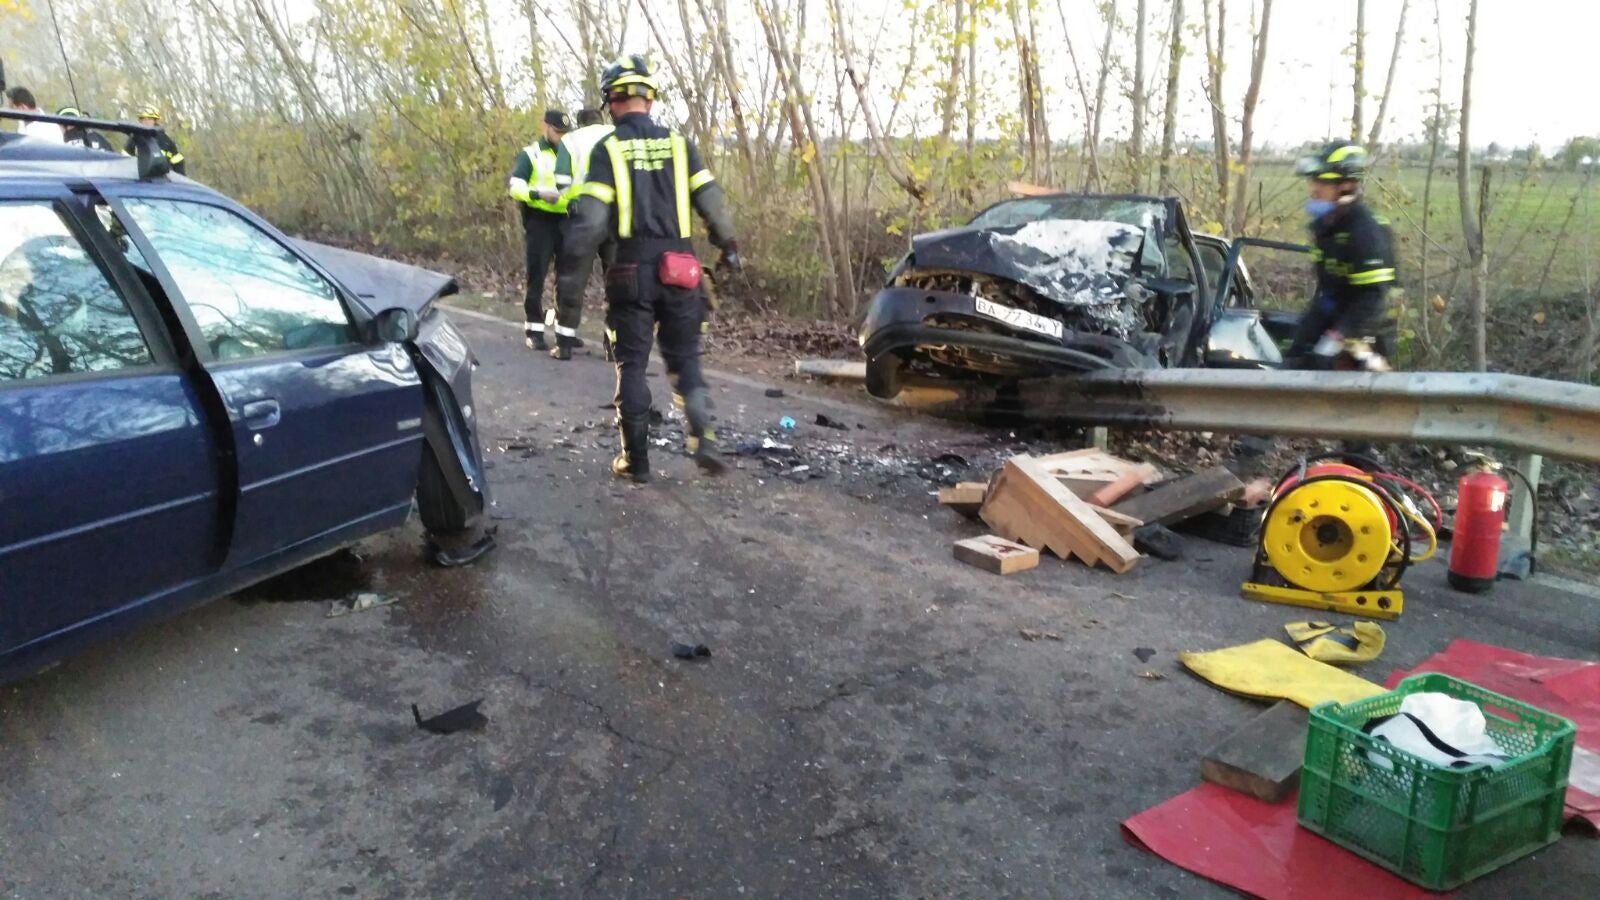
394,325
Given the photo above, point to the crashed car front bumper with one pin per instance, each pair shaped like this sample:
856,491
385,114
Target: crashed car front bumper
907,325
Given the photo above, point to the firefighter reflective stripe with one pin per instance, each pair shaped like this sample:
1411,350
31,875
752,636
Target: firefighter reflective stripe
174,158
1371,276
623,176
534,327
699,180
601,192
564,331
680,182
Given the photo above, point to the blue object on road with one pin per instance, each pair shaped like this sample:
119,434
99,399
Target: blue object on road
786,423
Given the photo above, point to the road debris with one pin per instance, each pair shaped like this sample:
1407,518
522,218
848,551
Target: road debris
1144,653
1149,675
357,603
690,651
774,393
826,422
1158,540
463,718
1033,634
995,554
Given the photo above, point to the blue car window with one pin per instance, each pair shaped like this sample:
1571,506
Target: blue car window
58,313
248,293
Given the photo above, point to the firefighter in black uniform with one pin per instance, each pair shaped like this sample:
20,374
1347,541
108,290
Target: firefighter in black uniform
642,182
1346,325
151,116
79,136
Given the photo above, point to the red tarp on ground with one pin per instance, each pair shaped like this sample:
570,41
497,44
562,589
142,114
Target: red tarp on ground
1258,848
1566,687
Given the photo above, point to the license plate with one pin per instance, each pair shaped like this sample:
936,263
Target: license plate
1020,318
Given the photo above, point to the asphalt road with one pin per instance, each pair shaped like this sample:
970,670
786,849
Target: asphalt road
870,724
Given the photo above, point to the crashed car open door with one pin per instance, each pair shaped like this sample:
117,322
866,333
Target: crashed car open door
325,427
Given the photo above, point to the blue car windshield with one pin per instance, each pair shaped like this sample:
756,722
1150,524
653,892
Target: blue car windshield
1148,215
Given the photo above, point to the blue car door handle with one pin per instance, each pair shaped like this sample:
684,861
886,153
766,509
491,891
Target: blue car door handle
261,414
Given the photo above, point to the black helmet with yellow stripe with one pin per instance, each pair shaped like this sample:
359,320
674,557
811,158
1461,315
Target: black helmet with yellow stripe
1337,161
629,76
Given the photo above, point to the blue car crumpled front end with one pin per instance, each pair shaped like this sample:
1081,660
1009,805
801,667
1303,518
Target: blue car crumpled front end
443,359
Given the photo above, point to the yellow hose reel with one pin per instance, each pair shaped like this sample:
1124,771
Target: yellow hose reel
1335,541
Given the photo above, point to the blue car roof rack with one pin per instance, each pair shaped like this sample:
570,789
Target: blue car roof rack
152,162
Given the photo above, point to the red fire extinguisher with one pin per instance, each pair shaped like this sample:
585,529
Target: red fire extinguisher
1480,516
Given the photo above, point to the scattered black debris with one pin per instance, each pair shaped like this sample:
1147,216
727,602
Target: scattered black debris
691,651
952,459
774,393
502,791
1144,653
463,718
1158,540
827,422
1239,528
359,603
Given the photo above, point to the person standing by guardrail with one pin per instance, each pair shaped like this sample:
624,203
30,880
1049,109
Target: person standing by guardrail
1353,258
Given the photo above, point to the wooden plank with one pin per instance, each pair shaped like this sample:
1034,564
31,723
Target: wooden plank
1122,523
1025,189
832,369
1124,485
1028,505
1188,496
995,554
965,498
1263,757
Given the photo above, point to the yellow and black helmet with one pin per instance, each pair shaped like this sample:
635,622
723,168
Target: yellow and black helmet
629,76
149,111
70,111
1336,161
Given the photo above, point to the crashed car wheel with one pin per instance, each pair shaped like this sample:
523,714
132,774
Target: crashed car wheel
441,512
886,376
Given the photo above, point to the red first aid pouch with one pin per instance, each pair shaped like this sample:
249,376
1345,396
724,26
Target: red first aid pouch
679,270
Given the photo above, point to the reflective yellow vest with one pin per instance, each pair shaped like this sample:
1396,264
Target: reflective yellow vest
543,178
579,144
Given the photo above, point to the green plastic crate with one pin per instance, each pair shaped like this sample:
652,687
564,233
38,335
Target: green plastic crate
1437,827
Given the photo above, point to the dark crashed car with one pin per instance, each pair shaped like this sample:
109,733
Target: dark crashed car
191,402
1061,284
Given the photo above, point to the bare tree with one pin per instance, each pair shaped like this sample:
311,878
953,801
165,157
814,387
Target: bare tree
890,160
1105,69
1388,80
1472,220
1215,65
1137,98
1090,145
952,85
1169,117
1258,62
1358,86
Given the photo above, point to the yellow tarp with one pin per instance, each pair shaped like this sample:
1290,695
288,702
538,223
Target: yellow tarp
1329,643
1270,670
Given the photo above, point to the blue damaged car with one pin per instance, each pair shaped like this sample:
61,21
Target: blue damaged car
191,402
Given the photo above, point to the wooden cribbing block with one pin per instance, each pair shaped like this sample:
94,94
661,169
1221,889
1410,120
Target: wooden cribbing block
1124,485
1185,497
1263,757
1027,504
965,498
996,554
1123,524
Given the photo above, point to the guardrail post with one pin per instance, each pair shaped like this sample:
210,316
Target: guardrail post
1521,512
1099,437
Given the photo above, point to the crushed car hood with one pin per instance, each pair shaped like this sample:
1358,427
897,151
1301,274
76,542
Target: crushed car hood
1081,265
381,284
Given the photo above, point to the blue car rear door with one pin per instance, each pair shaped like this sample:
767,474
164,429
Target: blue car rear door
327,429
109,477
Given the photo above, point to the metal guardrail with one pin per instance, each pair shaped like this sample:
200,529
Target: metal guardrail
1515,412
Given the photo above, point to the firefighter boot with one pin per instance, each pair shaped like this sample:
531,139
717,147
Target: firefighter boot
633,462
564,347
534,340
702,440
